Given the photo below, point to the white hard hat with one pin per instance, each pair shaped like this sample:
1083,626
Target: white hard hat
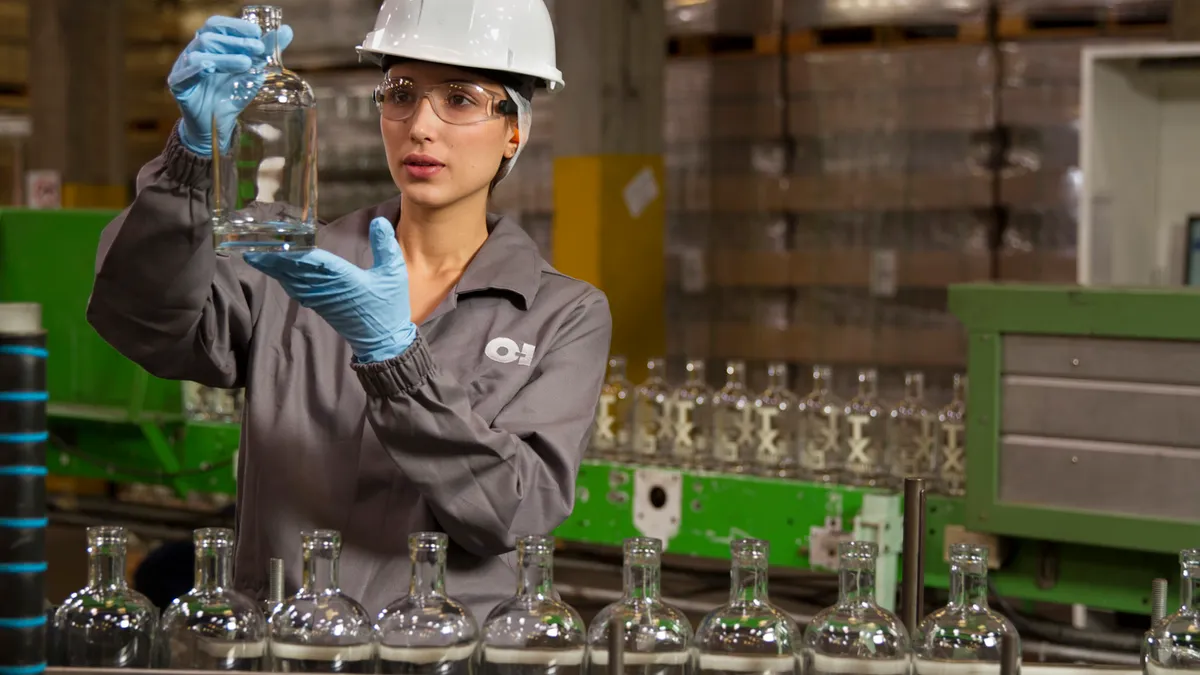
511,36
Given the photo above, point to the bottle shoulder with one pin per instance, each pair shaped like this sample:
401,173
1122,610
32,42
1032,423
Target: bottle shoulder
747,627
427,622
648,626
533,622
865,631
322,618
220,609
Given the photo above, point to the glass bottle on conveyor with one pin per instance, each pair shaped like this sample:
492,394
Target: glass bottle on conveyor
1170,645
776,425
963,638
733,442
106,624
864,435
652,416
820,429
657,637
426,632
748,634
614,415
910,434
691,420
951,441
212,626
534,632
265,184
320,628
856,635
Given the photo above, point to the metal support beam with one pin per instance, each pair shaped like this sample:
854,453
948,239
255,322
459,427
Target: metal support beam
914,552
76,96
608,170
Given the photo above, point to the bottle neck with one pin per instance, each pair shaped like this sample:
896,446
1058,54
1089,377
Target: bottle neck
536,575
320,572
1189,592
820,384
749,583
642,582
856,586
960,389
914,389
968,588
213,568
777,380
428,575
106,569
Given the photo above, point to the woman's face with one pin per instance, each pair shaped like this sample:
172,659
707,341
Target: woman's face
433,162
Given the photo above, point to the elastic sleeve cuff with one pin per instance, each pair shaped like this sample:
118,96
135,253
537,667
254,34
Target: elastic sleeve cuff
397,376
188,168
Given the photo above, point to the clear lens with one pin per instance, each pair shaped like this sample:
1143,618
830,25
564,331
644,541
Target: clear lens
453,102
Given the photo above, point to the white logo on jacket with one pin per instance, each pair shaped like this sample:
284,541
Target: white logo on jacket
505,350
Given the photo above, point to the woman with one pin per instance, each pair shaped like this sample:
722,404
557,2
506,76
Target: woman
425,369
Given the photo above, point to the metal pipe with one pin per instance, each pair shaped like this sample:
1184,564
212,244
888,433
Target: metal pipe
1010,655
23,435
1158,600
616,645
913,553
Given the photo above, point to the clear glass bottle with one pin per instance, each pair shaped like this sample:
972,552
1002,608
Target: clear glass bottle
426,632
965,630
265,185
951,438
856,635
212,626
1171,644
910,434
106,624
652,424
614,415
748,634
864,435
820,429
657,636
776,425
320,628
692,413
734,447
533,632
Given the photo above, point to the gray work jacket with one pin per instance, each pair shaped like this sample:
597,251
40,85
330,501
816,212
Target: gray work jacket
477,430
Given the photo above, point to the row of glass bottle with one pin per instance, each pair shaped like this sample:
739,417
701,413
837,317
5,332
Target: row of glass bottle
107,624
817,437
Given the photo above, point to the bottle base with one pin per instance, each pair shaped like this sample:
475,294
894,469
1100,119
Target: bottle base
264,238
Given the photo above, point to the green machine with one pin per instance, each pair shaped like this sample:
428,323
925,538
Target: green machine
1083,438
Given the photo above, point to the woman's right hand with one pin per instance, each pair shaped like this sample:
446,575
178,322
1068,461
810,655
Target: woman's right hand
213,81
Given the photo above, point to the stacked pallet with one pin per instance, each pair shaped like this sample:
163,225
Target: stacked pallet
821,198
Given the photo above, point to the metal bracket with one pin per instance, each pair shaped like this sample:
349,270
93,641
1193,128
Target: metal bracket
657,503
881,520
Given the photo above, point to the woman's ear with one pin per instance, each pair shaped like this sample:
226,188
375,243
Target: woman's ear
514,142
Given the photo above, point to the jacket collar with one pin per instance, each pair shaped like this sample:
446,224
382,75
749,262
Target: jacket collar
508,262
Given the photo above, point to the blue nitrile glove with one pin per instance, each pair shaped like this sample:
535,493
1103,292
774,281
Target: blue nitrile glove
211,69
368,308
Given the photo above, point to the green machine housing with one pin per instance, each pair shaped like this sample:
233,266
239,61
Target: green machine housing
1083,438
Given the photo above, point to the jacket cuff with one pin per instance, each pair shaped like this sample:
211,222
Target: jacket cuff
188,168
397,376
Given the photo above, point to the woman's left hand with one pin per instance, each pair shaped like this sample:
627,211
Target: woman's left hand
368,308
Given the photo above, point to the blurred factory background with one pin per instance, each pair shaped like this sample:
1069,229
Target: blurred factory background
831,169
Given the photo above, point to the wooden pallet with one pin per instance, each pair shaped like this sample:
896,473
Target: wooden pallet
1083,20
811,39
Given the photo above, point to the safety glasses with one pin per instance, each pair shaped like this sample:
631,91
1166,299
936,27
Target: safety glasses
453,102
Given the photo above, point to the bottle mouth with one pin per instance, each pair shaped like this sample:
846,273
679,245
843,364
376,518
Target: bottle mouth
427,541
268,17
536,544
750,551
1190,558
213,537
642,550
857,554
321,540
968,555
106,535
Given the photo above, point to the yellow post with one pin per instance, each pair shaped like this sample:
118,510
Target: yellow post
609,223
